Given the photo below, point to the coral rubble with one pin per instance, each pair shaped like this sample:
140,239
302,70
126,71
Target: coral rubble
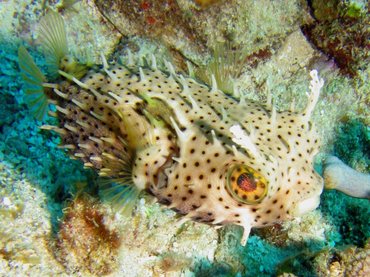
84,242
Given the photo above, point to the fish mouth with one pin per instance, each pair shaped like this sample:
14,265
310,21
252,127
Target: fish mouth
306,205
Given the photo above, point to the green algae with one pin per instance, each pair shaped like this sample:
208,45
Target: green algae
348,216
352,144
32,151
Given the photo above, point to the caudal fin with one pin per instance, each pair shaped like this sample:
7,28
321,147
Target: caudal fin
33,78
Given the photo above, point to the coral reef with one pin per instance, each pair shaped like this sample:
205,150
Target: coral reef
85,243
159,249
189,32
341,31
25,226
355,261
92,35
352,144
348,216
349,261
206,3
269,248
37,178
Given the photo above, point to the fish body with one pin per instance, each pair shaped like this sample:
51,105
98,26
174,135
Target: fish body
209,156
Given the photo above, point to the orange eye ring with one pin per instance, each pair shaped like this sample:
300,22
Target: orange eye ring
245,184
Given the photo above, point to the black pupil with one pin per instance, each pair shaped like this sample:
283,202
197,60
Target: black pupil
246,182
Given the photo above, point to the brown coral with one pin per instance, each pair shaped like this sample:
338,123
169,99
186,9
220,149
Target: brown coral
163,20
206,3
340,36
350,262
84,242
356,261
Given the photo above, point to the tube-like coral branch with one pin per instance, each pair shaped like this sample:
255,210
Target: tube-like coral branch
339,176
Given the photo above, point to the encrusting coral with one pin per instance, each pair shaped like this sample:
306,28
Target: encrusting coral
85,242
341,31
349,261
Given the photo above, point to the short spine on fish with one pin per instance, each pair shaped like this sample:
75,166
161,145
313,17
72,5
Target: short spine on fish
210,157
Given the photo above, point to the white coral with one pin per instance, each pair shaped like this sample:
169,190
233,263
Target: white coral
315,87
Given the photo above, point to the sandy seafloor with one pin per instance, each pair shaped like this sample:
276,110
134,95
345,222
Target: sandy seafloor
49,204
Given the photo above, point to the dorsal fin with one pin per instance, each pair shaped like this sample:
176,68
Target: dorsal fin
54,40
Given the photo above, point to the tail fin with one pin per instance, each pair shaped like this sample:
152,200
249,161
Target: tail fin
34,79
54,40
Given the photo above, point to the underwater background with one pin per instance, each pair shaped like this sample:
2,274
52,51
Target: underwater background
52,221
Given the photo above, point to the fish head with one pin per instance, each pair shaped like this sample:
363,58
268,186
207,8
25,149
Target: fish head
245,174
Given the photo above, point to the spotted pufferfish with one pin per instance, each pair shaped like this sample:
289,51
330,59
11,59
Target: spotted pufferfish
206,155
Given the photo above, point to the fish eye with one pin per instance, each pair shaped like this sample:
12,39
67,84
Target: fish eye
245,184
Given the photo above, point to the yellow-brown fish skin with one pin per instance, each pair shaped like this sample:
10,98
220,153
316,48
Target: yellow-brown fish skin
185,143
211,157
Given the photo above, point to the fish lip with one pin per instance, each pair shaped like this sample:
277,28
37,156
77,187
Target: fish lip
306,205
